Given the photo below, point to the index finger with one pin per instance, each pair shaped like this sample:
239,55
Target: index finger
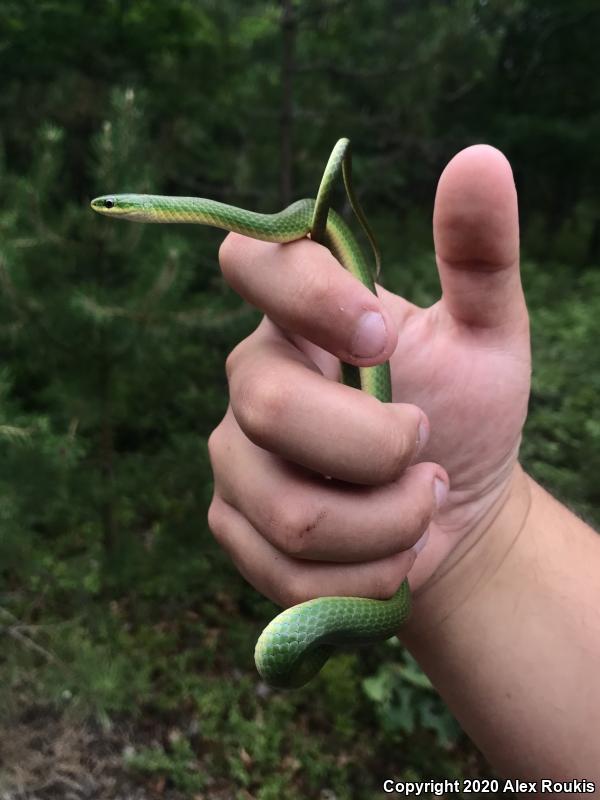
306,291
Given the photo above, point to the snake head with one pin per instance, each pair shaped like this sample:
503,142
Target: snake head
107,204
118,205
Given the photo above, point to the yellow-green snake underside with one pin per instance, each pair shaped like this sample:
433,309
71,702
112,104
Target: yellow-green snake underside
294,646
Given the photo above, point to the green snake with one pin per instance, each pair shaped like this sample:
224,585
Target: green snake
294,646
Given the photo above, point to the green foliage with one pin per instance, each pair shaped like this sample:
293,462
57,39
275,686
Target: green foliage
406,700
561,444
114,600
179,764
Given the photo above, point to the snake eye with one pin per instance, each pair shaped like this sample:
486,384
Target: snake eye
109,202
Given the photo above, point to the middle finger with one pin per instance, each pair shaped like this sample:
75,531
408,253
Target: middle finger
284,404
304,515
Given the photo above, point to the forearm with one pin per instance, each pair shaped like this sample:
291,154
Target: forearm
510,637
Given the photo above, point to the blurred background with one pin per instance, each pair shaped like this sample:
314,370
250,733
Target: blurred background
126,665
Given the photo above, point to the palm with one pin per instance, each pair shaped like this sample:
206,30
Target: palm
474,386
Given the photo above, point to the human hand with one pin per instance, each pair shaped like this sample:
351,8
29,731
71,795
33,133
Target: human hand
460,370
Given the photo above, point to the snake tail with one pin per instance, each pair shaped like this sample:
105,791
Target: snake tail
295,645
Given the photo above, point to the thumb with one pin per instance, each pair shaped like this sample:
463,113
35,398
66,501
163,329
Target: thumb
476,236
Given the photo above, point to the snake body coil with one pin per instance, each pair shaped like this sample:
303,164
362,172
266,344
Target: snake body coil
294,646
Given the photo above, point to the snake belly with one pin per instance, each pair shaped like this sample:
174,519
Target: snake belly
295,645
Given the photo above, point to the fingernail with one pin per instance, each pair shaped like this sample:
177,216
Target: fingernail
370,336
440,490
420,543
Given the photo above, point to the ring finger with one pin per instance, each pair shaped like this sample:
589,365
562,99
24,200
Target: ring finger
306,516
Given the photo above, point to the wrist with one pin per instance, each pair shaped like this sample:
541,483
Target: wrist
509,637
476,559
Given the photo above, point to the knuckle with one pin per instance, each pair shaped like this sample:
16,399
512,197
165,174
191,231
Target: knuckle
316,289
286,527
233,359
214,444
230,363
261,402
216,521
229,255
